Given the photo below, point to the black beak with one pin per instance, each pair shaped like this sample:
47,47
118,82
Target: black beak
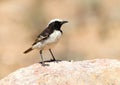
64,22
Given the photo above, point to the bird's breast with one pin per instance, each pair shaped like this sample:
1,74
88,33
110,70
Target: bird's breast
54,37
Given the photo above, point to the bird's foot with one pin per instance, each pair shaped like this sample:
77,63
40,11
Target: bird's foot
53,60
43,64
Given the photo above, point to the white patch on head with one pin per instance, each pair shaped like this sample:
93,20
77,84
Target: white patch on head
55,20
49,42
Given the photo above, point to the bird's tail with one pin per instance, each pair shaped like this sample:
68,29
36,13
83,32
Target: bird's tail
28,50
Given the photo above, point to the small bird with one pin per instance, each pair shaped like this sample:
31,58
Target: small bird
48,37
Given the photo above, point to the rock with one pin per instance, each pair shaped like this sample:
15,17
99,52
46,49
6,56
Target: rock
88,72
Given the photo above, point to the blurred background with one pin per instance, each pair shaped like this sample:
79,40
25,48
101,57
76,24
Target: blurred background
93,30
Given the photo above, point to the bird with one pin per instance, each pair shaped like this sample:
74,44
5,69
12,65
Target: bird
48,38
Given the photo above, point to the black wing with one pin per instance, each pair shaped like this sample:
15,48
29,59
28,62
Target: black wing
43,35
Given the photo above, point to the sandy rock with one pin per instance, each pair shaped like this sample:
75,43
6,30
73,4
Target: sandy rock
88,72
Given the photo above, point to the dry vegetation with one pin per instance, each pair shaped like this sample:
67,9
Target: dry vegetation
93,30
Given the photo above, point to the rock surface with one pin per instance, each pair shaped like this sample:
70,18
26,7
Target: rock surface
88,72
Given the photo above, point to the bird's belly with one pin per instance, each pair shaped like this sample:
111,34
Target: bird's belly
52,40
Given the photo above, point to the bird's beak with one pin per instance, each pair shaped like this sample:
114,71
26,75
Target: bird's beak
64,22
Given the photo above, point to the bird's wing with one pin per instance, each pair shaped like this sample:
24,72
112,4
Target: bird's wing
43,35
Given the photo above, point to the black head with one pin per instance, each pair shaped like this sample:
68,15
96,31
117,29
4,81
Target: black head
56,24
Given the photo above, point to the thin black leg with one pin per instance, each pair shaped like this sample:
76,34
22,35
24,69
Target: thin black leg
52,55
42,58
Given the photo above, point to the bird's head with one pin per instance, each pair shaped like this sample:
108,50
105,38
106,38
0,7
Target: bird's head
56,23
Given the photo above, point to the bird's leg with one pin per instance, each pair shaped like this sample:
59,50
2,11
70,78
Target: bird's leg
42,58
52,55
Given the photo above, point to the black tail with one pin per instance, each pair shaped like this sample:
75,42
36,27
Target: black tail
28,50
